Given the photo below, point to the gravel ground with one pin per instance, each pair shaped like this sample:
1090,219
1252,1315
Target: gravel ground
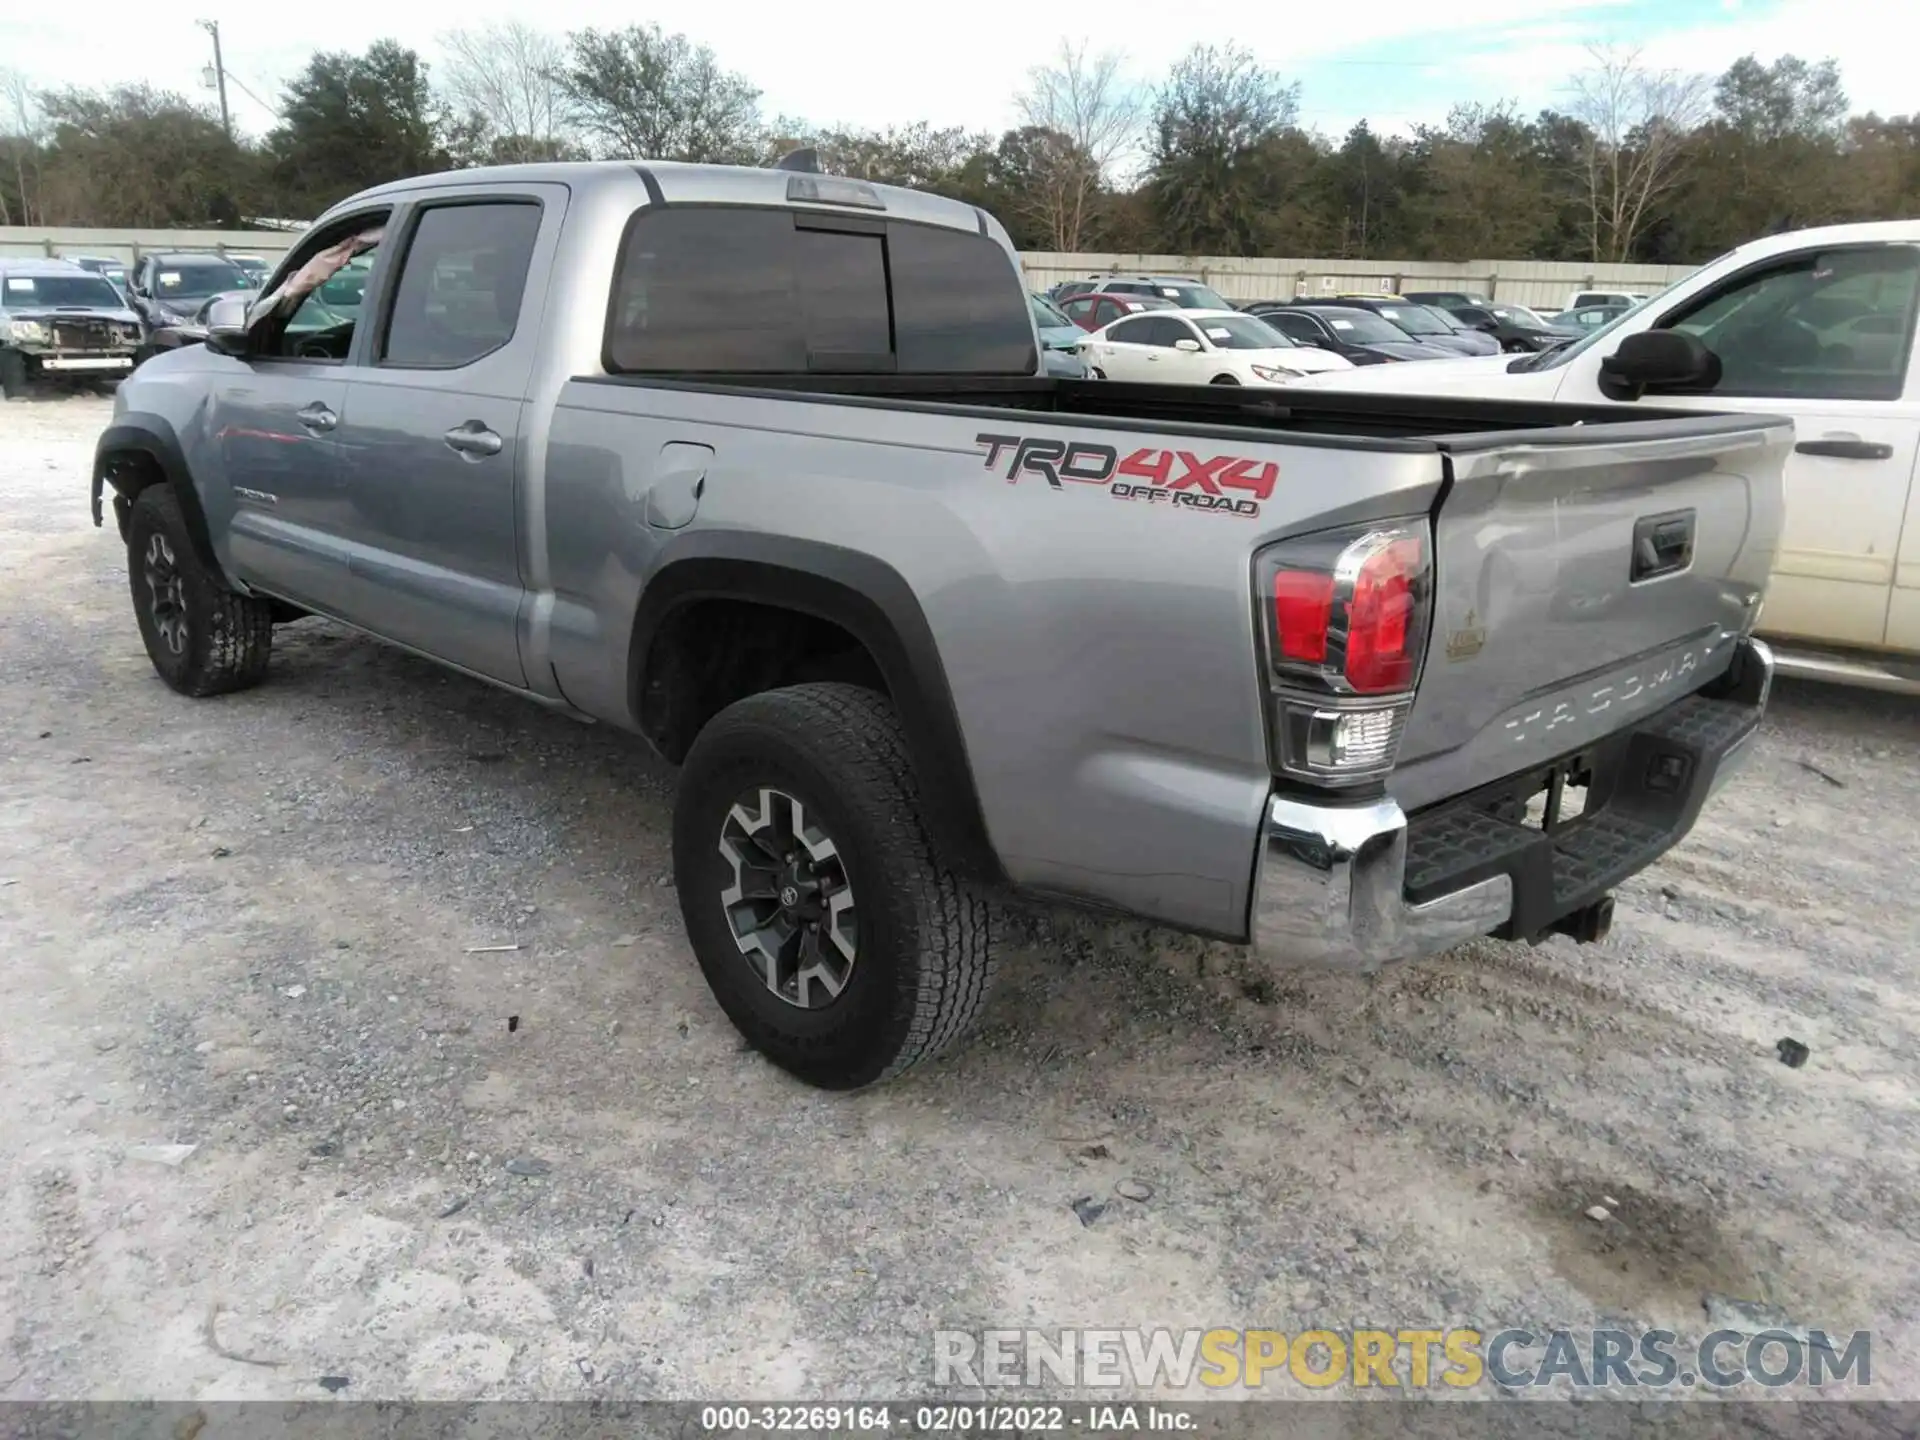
246,925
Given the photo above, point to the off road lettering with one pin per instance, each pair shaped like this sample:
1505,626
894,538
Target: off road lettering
1180,478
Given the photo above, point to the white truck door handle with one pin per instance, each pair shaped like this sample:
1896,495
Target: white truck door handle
1844,447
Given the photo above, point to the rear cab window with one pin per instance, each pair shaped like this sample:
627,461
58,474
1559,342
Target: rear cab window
718,289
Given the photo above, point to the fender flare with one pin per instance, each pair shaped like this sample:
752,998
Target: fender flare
874,603
138,432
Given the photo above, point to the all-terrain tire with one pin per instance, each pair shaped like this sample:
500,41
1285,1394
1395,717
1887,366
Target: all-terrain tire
923,961
13,375
202,638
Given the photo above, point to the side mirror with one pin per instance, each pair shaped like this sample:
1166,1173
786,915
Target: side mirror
227,326
1190,346
1491,327
1658,359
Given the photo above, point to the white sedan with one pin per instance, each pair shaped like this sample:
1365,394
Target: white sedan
1202,347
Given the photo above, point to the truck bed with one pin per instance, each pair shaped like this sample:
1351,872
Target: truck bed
1451,423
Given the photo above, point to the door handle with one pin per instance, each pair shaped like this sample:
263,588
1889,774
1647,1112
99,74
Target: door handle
474,438
318,417
1845,449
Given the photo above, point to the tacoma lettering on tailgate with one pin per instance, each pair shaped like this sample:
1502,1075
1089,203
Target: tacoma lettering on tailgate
1179,478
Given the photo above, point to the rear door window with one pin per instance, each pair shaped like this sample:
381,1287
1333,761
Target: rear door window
1170,330
1301,327
460,286
725,289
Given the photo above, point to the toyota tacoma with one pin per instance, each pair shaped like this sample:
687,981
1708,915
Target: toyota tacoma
763,466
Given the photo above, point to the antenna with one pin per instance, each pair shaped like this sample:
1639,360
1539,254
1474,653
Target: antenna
806,161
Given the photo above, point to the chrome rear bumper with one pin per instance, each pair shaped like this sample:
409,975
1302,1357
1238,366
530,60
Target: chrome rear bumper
1331,889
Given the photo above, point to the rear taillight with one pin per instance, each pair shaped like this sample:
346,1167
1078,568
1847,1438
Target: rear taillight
1346,622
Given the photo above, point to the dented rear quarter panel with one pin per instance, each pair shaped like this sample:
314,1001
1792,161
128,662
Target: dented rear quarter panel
1100,649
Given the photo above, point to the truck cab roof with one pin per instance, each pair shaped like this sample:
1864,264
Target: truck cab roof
673,182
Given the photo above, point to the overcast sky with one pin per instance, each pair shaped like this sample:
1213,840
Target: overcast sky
1398,62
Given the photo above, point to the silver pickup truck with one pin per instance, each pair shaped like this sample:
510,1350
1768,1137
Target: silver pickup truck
761,465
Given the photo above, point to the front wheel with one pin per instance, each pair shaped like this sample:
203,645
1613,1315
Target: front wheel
1224,380
13,375
202,638
829,931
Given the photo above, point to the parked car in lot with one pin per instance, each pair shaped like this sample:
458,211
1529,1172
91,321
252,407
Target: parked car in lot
166,289
1424,325
1588,317
1814,325
191,331
1203,347
1445,299
925,628
1095,312
113,271
1178,290
1624,299
1356,335
1516,328
1060,340
253,267
58,321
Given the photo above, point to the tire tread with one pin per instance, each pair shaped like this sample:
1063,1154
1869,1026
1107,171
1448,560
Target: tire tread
239,628
856,733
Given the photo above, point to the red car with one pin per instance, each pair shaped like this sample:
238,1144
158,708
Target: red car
1097,311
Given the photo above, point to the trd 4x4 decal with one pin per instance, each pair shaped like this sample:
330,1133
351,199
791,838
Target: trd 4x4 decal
1180,478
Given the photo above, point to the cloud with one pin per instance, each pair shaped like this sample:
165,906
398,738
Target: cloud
1877,76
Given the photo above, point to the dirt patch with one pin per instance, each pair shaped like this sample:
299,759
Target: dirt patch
1632,1253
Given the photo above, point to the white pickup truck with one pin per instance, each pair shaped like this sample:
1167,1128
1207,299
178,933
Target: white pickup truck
1818,325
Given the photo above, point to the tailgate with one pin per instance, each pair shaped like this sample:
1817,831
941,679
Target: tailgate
1584,578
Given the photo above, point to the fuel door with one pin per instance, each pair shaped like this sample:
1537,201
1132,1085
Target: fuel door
679,480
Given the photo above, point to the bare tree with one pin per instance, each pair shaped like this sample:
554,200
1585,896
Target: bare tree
1637,124
1095,116
508,76
21,124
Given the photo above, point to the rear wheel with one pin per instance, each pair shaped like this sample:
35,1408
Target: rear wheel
828,929
202,638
